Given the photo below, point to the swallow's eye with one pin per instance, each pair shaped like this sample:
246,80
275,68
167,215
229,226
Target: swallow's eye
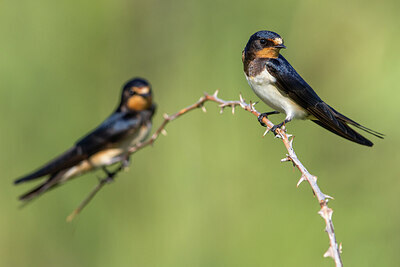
263,41
131,92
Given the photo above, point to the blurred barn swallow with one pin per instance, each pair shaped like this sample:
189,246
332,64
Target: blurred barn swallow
109,143
278,84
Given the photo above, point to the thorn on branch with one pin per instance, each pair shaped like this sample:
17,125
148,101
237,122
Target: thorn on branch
286,159
251,106
216,93
291,141
164,132
165,116
266,131
329,253
302,179
241,98
203,108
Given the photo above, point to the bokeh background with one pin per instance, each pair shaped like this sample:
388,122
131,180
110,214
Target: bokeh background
213,192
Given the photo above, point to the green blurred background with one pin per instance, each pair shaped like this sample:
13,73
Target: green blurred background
213,192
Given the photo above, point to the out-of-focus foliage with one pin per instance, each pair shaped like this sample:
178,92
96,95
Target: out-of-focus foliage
213,192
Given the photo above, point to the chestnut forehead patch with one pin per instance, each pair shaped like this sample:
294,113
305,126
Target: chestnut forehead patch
141,90
277,41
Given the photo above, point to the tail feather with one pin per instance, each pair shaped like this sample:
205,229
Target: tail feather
68,159
337,123
349,134
359,126
50,183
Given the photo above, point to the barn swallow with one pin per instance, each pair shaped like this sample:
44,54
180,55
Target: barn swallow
109,143
278,84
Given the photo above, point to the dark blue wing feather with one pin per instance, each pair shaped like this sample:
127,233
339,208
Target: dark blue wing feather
110,131
289,82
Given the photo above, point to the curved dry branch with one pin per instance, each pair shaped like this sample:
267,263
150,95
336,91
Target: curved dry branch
287,139
325,212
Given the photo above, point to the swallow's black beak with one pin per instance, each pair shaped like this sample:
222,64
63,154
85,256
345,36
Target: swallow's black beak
146,95
280,46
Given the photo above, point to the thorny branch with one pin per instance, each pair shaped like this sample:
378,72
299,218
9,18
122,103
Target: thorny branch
90,196
287,139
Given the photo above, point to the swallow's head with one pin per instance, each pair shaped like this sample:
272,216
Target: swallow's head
263,44
136,95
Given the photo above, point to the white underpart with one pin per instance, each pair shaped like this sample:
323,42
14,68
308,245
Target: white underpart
264,86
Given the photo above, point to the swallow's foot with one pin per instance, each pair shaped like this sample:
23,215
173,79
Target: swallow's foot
265,115
273,129
125,163
110,175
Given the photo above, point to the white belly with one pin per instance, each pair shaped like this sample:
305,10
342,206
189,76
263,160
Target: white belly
108,156
264,87
120,149
133,139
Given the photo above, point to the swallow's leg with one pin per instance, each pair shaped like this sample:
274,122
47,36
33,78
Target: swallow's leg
265,115
110,175
273,129
106,171
125,162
